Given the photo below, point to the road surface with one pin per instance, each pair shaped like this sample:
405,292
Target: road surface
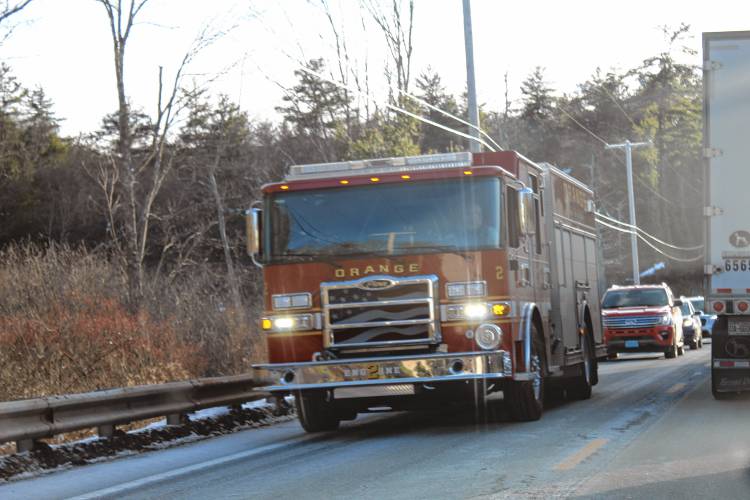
651,430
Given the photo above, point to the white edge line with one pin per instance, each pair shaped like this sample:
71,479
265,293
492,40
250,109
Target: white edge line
130,485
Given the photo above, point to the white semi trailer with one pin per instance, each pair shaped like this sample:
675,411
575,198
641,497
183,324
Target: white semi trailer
726,110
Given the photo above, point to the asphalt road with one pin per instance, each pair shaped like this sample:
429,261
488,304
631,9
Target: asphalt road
651,430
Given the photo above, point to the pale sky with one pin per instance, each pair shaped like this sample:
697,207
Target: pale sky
64,46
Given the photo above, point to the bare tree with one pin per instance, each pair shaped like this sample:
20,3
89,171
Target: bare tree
397,28
141,173
9,8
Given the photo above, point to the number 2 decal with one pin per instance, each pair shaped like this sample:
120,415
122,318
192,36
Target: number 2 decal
499,273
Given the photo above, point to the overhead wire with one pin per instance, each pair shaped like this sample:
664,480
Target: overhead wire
630,231
636,228
394,107
619,106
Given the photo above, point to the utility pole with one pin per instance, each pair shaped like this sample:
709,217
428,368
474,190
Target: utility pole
628,147
474,146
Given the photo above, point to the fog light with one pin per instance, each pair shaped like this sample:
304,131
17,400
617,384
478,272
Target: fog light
488,337
288,377
457,367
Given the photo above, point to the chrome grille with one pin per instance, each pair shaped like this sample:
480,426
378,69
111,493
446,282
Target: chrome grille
380,311
625,322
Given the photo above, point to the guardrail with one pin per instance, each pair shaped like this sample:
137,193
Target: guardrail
28,420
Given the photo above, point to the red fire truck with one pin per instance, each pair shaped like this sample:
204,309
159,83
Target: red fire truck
394,283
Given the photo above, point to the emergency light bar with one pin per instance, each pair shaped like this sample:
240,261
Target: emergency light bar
379,166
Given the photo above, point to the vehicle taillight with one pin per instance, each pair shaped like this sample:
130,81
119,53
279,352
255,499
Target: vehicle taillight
742,306
718,306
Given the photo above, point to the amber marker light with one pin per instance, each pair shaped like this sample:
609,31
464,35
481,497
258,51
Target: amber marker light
284,187
406,177
375,179
468,172
265,323
500,309
344,182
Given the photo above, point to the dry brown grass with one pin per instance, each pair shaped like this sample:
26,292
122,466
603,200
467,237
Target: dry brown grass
65,326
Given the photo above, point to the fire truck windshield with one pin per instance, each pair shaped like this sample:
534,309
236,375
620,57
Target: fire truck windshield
386,219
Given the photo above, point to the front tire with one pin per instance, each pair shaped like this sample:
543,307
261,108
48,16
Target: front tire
671,352
315,413
526,398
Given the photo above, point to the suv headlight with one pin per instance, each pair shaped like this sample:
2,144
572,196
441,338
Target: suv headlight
666,319
687,322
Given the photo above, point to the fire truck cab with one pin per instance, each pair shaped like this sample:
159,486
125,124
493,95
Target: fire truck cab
398,282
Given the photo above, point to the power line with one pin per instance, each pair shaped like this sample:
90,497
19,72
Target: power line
618,105
582,126
630,231
636,228
394,107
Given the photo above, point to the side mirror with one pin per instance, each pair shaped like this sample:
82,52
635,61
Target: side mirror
253,229
677,303
526,211
700,313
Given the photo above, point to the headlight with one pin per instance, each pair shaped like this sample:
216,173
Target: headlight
476,311
291,301
687,322
488,337
466,289
300,322
666,319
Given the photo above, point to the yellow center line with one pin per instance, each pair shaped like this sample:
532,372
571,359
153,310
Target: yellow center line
581,455
676,388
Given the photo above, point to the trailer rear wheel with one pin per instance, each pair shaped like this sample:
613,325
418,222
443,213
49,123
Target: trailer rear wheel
526,398
315,413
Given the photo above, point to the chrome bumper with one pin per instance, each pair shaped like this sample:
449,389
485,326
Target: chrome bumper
427,369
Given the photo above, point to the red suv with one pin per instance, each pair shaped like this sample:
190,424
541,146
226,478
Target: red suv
642,318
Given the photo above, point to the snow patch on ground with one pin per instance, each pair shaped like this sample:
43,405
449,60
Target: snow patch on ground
157,435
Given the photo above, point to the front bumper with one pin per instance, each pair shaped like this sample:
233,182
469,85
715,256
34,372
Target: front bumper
425,369
654,339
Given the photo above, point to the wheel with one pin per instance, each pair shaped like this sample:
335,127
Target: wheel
681,350
315,413
694,345
580,387
671,352
526,397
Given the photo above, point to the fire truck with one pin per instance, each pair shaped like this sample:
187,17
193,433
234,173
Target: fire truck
394,283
